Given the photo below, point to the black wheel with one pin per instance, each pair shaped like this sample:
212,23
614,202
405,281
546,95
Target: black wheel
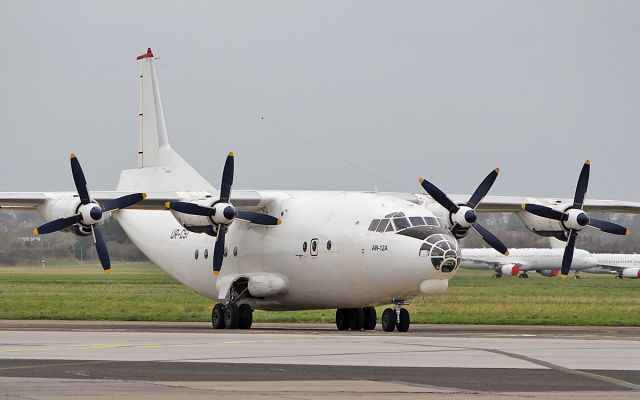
231,316
356,319
217,316
370,319
405,321
246,316
389,320
523,276
497,275
342,319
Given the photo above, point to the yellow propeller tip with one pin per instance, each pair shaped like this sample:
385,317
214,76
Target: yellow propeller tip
588,162
107,271
506,253
279,221
628,232
232,154
523,206
216,273
144,196
72,155
167,204
35,232
420,180
563,276
497,170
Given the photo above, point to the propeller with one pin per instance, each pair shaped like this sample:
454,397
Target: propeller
464,216
574,219
222,213
89,213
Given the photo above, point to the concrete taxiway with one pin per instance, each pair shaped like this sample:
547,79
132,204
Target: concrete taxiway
40,359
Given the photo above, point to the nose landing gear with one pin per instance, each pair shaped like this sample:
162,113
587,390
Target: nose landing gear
397,318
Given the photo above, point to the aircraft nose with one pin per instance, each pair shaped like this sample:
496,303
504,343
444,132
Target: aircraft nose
443,251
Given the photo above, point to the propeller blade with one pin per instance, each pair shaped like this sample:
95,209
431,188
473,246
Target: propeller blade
609,227
544,211
483,188
218,251
124,201
101,248
79,180
491,239
439,196
258,218
188,208
227,179
567,258
581,188
56,225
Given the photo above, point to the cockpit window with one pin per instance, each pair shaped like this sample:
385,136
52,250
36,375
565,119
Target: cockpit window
374,225
401,223
390,215
389,228
431,221
416,221
383,225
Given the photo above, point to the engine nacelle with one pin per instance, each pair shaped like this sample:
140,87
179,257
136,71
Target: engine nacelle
549,272
197,223
64,207
510,270
631,273
544,226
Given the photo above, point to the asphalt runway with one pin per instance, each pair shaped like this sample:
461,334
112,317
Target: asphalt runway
51,359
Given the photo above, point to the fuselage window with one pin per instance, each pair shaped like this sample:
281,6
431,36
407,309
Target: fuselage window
329,245
416,221
304,246
206,253
401,223
383,225
314,246
374,225
197,254
431,221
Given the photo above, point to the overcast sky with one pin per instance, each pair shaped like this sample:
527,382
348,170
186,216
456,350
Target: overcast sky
446,90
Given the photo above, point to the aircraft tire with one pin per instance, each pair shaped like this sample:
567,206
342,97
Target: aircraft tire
370,319
217,316
231,316
341,319
356,319
405,321
388,320
246,316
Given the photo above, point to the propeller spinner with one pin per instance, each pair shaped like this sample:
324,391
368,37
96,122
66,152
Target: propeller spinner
464,216
89,213
222,213
574,219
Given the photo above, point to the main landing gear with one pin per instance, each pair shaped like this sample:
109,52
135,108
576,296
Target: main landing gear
356,319
231,316
523,275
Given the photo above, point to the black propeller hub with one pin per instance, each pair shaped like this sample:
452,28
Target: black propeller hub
96,213
582,219
229,212
470,216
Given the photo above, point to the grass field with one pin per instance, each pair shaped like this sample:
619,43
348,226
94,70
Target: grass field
143,292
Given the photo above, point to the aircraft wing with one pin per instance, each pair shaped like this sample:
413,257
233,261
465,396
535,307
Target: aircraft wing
244,200
514,204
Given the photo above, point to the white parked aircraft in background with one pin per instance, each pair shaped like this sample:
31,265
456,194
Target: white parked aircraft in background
520,262
621,265
291,250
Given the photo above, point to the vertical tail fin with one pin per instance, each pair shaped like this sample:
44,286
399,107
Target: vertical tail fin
160,168
153,130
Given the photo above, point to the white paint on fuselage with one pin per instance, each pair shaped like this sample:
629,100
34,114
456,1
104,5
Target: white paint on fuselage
526,259
350,274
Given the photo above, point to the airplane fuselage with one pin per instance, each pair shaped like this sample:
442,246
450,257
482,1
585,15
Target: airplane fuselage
326,254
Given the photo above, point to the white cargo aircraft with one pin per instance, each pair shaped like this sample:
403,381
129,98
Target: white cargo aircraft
292,250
